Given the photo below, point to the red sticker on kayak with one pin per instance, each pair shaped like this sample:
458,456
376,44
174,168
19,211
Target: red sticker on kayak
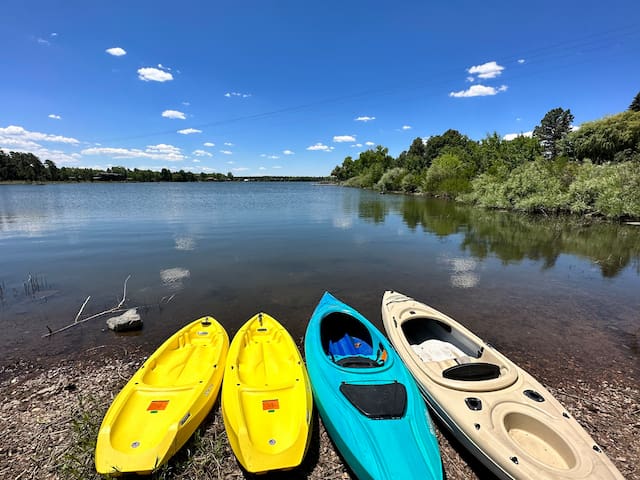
270,404
158,405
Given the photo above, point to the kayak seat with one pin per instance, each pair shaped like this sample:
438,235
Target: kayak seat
349,346
470,372
378,402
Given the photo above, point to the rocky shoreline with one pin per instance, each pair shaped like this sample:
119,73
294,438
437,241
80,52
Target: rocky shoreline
51,414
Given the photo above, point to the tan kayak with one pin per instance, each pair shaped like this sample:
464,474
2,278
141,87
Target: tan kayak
498,411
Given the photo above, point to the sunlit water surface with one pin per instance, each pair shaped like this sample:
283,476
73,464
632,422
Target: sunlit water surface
535,287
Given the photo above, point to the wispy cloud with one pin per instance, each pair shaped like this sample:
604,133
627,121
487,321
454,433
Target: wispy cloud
369,144
228,144
237,94
486,70
202,153
521,61
478,91
320,147
357,145
407,127
54,116
116,51
511,136
364,119
43,41
16,133
161,151
151,74
240,169
209,144
344,138
288,152
174,114
189,131
226,152
17,139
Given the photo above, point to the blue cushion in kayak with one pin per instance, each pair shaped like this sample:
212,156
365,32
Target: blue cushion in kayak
349,346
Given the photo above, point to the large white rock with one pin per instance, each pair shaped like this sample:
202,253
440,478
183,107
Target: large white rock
129,320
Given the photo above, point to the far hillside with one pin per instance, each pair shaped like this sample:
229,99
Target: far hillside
592,170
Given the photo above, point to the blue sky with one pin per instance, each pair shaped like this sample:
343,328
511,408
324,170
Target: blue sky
292,87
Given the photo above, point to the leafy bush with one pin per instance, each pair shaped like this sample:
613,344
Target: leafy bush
612,190
447,176
391,180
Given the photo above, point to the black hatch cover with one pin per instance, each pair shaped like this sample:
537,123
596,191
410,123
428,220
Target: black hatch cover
471,372
384,401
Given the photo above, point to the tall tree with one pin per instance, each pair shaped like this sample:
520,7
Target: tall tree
555,125
635,105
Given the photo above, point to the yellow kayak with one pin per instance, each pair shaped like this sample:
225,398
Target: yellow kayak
266,397
165,400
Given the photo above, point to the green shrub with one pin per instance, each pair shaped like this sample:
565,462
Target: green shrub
391,180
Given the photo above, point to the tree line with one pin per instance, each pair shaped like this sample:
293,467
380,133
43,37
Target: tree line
594,170
27,167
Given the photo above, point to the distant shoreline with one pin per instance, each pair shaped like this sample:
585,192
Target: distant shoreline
316,180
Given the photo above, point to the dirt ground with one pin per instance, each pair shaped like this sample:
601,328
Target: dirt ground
51,414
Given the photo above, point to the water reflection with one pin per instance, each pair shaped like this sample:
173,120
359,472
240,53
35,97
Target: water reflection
174,277
185,243
513,237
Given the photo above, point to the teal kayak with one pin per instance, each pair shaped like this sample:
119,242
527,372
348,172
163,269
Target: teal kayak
368,401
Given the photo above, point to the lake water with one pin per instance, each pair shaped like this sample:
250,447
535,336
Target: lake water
551,289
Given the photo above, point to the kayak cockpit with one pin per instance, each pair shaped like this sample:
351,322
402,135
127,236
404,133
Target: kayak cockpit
348,343
454,359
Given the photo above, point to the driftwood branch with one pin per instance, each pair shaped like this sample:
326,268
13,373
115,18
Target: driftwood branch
115,309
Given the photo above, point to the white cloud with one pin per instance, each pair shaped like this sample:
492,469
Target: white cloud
240,169
228,144
174,114
226,152
42,41
369,144
478,91
189,131
19,134
288,152
471,79
117,52
54,116
521,61
195,160
202,153
54,34
150,74
320,147
186,104
237,94
209,144
277,167
344,138
511,136
161,151
486,70
357,145
406,127
273,157
262,168
364,119
231,162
